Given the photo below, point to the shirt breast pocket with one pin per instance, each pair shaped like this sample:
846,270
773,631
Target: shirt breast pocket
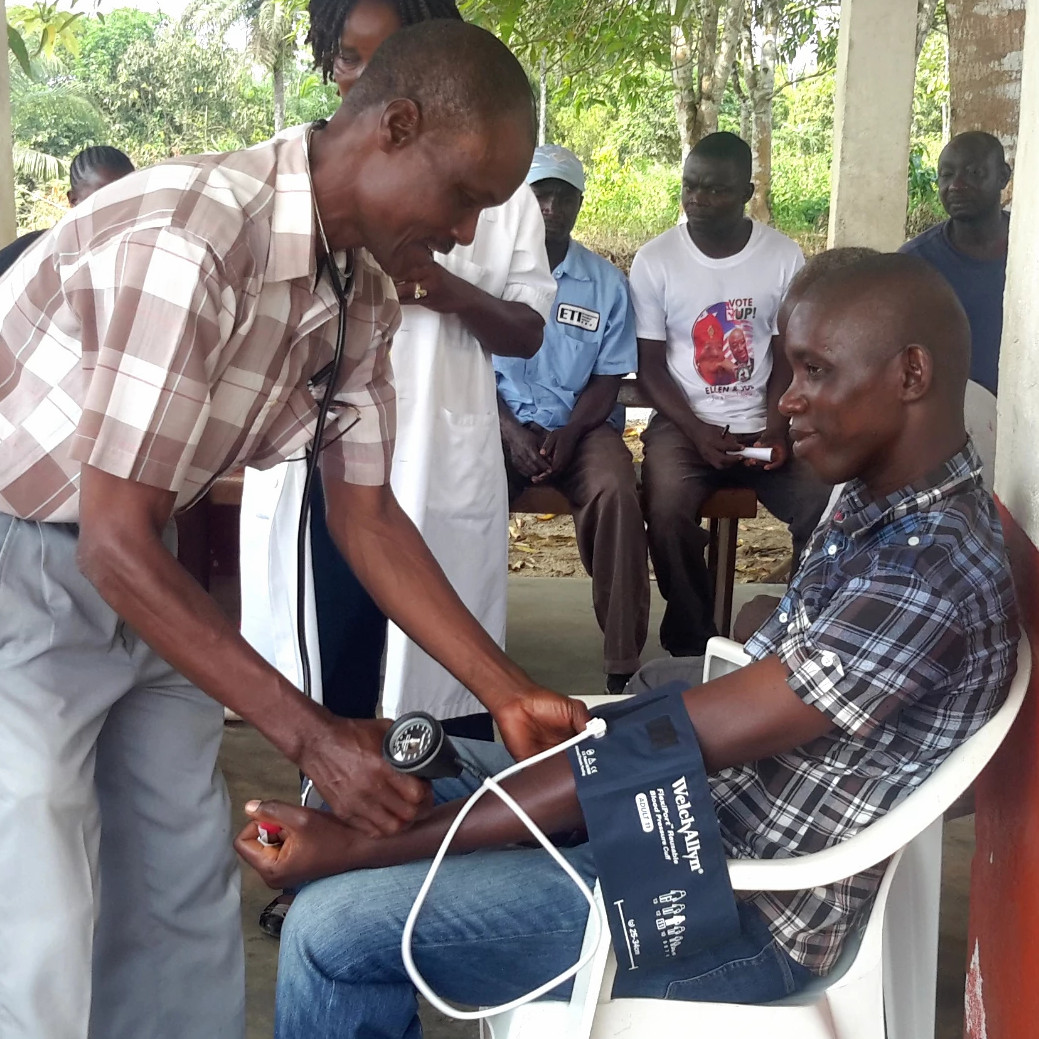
569,360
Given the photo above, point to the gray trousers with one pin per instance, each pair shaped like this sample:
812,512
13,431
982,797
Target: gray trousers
120,890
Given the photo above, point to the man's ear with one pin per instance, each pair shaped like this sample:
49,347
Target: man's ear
1005,174
917,372
400,124
748,192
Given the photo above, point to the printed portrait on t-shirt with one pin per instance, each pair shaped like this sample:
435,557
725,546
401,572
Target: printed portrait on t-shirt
723,342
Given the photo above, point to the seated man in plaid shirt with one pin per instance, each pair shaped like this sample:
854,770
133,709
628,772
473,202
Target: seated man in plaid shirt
893,644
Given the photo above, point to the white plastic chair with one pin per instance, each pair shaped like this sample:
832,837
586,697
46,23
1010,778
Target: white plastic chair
883,985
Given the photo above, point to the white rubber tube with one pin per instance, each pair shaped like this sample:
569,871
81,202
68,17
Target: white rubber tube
595,728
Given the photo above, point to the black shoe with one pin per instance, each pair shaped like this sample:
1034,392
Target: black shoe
616,683
273,915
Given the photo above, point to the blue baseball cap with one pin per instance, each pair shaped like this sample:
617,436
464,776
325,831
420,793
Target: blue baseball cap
553,162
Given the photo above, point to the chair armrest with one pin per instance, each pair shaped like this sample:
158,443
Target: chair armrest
723,656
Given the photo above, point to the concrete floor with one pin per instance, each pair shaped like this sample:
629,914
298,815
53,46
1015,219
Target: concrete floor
552,633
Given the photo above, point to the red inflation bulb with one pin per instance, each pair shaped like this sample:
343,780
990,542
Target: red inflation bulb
270,834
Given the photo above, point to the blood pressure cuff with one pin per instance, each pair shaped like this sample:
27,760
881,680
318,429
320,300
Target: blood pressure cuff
653,831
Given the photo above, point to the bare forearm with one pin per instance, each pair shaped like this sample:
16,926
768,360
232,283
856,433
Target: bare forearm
546,792
502,327
121,552
143,583
746,716
595,403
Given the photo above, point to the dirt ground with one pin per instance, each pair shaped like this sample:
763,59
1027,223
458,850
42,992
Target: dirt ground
544,546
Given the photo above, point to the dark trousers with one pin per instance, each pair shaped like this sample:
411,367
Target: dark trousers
675,484
351,628
600,486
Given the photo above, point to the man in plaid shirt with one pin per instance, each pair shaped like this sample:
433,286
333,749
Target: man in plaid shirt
177,325
893,644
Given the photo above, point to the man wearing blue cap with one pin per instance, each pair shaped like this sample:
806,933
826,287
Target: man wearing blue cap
560,421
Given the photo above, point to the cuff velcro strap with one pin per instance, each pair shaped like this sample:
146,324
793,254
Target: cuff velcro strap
653,832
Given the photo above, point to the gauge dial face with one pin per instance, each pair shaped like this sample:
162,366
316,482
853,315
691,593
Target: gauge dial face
414,741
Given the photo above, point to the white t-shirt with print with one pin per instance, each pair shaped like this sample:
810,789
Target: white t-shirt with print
717,318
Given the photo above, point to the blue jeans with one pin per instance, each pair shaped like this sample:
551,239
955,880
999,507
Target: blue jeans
495,925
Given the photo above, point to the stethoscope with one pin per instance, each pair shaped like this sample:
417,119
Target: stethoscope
329,375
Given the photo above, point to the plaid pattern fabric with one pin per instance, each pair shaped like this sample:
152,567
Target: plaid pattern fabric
167,329
901,627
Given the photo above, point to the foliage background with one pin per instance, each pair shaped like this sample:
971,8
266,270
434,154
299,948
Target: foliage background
156,87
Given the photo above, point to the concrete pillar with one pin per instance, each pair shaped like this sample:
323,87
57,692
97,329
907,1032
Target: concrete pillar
8,227
1002,998
1017,444
876,69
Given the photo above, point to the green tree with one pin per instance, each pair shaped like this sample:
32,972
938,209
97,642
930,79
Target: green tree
273,29
104,42
173,94
42,30
802,156
775,33
53,116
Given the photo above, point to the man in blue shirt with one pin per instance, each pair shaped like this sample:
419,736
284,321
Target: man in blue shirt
970,248
560,422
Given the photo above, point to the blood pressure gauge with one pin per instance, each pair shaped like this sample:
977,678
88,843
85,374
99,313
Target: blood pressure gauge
416,744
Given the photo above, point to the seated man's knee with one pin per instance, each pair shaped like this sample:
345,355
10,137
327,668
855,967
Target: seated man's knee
615,482
345,926
325,930
665,491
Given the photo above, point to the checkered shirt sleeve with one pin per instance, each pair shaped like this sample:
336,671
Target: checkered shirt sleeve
881,641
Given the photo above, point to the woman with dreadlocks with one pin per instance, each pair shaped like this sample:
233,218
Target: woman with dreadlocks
492,296
328,18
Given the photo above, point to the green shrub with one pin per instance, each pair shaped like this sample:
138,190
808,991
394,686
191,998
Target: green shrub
626,204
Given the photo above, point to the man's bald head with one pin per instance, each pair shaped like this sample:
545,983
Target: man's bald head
439,127
460,76
891,300
824,263
978,143
972,173
814,268
879,349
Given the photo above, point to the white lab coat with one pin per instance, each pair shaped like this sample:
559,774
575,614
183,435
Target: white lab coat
448,473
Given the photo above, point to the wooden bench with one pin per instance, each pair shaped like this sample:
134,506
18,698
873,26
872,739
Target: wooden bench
208,533
724,510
